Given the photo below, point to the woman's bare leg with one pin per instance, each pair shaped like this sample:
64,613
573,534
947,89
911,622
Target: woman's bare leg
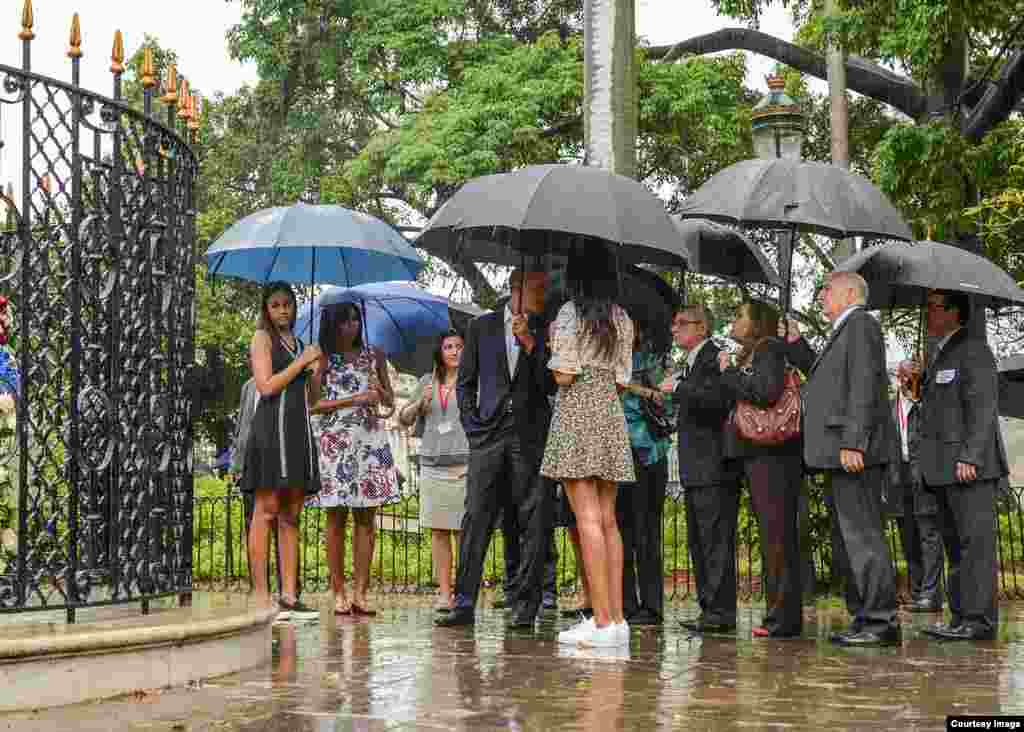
266,507
441,550
606,492
288,536
583,497
363,534
334,538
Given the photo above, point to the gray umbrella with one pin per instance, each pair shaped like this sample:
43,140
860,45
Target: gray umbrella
796,195
719,250
534,208
899,275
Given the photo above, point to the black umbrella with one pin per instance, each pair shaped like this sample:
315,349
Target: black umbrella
798,196
899,275
722,251
540,209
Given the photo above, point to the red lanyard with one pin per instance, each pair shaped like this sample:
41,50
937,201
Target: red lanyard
443,397
900,415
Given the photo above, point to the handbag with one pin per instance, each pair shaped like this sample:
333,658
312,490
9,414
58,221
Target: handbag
653,411
774,425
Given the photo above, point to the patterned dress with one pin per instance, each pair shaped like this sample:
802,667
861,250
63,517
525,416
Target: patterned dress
357,469
588,436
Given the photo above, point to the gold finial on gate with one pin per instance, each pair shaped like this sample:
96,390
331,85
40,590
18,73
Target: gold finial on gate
193,112
117,54
171,88
183,99
75,42
26,22
148,75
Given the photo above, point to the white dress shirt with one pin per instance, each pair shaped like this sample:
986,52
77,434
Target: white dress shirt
511,344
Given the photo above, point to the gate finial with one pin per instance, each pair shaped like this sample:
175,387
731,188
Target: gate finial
26,22
148,75
117,54
75,42
171,88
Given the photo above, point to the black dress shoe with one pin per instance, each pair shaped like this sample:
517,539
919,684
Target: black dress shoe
586,612
709,626
890,636
456,617
936,630
840,635
923,606
968,632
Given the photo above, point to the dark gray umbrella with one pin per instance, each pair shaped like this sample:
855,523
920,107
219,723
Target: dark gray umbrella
798,196
719,250
899,275
539,209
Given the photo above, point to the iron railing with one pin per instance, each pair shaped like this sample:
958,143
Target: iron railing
402,561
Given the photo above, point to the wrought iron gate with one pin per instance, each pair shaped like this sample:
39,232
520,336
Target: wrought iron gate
97,261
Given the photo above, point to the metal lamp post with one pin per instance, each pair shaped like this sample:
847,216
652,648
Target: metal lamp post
777,126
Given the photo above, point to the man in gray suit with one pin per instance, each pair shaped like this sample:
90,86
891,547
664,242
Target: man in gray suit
711,486
847,432
962,458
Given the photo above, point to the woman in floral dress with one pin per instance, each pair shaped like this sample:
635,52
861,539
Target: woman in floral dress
357,469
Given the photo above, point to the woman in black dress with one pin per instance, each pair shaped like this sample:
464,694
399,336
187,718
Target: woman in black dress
281,466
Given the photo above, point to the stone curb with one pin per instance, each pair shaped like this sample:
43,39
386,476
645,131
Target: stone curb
124,639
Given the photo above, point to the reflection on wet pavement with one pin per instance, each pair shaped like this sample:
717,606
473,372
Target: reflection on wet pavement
397,671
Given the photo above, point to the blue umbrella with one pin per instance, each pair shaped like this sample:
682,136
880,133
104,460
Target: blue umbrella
399,317
306,244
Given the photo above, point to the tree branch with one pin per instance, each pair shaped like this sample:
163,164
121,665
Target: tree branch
998,100
862,76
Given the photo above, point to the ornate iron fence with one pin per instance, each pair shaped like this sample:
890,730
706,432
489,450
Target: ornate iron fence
97,260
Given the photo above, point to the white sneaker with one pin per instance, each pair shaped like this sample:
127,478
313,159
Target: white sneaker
605,637
580,629
623,631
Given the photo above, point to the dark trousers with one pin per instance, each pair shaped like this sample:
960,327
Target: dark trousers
640,506
774,483
860,550
921,540
967,512
504,475
513,550
711,515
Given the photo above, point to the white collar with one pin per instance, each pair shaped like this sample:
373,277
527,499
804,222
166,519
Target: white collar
843,316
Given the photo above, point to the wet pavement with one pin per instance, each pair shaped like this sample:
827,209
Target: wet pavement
397,672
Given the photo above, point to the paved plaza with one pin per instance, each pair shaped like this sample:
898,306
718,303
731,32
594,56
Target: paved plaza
397,672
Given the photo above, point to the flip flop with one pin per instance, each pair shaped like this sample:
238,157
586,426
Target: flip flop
357,610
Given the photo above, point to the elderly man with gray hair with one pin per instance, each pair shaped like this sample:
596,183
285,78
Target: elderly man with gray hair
847,431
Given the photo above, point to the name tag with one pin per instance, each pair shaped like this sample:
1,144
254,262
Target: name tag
945,376
444,428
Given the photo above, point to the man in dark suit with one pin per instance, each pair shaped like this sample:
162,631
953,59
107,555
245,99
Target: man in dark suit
915,509
962,459
847,431
503,389
711,486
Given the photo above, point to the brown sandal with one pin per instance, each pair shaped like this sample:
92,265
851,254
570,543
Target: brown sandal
357,610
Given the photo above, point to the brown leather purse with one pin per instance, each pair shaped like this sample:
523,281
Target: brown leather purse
772,425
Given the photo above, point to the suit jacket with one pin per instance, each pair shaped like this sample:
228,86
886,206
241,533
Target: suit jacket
246,409
959,413
846,397
485,389
703,408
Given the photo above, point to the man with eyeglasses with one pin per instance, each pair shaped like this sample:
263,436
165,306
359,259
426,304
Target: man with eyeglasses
962,458
711,486
848,433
